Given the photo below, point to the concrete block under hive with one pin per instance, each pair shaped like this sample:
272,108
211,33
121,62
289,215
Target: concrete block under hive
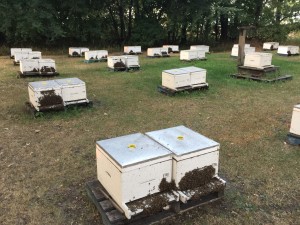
258,60
189,55
195,160
132,167
200,47
132,49
270,45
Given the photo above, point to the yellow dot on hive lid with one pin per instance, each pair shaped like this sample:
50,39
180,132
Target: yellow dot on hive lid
180,138
132,146
44,83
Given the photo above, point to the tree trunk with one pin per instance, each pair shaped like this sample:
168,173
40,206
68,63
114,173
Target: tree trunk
130,20
224,27
122,23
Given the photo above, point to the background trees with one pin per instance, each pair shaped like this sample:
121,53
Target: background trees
144,22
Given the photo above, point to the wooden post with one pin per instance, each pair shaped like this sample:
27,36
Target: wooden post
242,41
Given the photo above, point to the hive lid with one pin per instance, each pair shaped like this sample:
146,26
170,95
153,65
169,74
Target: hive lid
132,149
43,85
192,69
69,81
297,106
46,60
175,71
181,140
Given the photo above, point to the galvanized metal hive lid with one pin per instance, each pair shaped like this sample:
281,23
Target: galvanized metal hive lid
182,140
297,106
69,81
133,149
192,69
175,71
43,85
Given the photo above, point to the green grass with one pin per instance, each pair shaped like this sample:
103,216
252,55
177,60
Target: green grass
43,173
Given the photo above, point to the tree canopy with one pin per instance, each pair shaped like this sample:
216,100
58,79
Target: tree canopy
143,22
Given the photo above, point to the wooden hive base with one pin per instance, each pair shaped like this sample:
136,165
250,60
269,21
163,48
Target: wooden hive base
95,60
36,74
287,55
112,216
171,92
192,60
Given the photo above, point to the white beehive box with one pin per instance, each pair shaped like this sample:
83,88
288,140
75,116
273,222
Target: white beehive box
14,50
132,167
47,65
288,50
111,60
258,59
235,50
270,45
157,52
95,55
20,56
73,90
77,51
237,45
173,48
45,94
132,49
295,123
131,61
190,149
34,55
197,75
29,65
200,47
192,54
175,78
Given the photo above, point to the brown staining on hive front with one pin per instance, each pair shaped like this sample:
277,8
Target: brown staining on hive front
47,69
119,65
167,186
50,99
197,178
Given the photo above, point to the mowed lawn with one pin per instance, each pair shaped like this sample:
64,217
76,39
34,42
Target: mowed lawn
45,162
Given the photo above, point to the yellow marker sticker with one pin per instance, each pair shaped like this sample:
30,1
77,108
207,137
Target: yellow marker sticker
132,146
180,138
44,83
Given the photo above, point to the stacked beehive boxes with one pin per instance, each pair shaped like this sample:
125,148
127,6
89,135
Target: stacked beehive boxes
247,49
135,166
172,48
14,50
132,50
183,77
56,94
77,51
157,52
189,55
126,62
37,66
288,50
200,47
26,55
96,55
258,60
270,45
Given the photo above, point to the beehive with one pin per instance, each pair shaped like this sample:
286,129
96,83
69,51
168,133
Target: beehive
295,123
14,50
29,65
131,61
34,55
116,62
237,45
45,95
197,75
192,54
77,51
172,48
288,50
190,149
73,90
132,167
47,66
132,49
20,56
235,50
157,52
270,45
200,47
96,55
258,59
175,78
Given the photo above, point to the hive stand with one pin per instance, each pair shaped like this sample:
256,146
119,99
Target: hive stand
251,73
171,92
293,139
112,216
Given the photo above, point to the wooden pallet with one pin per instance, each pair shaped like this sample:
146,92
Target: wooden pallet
293,139
171,92
262,79
31,110
112,216
192,60
35,74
